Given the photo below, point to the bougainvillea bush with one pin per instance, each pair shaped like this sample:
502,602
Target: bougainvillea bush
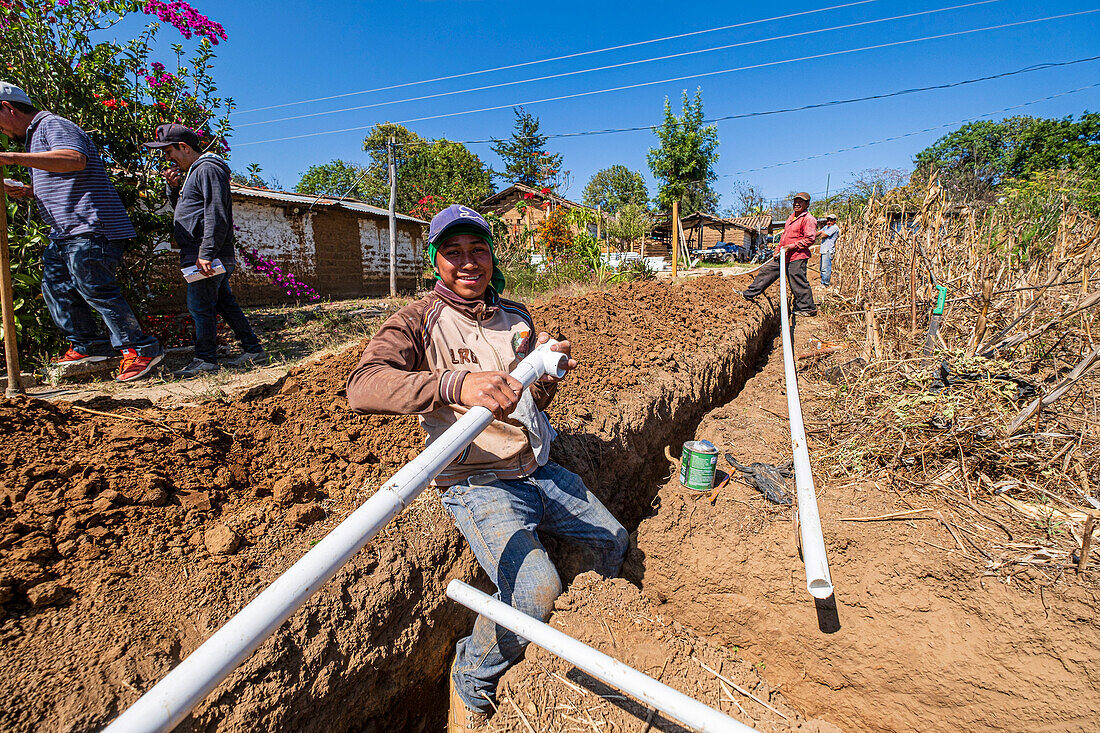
281,278
64,54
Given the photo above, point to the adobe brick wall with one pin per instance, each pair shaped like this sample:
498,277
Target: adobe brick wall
339,253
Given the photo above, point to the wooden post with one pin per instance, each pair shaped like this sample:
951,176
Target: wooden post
868,349
675,237
912,288
393,217
11,347
1086,543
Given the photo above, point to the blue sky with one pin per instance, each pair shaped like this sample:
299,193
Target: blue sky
285,51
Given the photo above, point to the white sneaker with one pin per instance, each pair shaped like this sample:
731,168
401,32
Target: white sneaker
196,367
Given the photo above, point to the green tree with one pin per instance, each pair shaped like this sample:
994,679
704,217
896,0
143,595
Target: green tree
525,157
613,187
440,174
334,179
685,158
978,157
631,223
252,176
431,174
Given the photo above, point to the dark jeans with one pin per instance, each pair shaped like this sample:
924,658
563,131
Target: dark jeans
502,520
206,300
78,274
796,278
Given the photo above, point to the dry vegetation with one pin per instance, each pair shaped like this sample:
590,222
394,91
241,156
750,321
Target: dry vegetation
995,413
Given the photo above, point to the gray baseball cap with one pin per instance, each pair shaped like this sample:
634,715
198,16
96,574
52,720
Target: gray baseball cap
11,93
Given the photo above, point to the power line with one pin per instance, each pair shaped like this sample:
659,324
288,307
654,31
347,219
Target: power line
803,108
911,134
561,58
616,66
690,76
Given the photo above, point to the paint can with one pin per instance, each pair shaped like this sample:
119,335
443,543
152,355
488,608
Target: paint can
697,464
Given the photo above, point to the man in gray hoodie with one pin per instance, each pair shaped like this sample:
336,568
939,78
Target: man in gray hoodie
198,189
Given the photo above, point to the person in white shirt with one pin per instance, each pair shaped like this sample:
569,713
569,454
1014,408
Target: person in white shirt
828,235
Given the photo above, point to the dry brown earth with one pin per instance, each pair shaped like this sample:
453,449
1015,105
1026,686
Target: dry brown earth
125,540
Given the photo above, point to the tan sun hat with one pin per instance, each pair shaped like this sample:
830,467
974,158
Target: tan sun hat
802,195
830,216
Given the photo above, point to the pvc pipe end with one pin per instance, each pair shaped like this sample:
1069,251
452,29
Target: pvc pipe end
555,363
820,588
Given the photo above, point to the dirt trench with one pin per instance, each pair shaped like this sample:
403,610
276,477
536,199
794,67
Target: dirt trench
126,541
918,638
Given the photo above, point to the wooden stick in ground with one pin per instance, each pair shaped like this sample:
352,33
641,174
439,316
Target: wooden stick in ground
675,237
526,723
739,688
886,517
11,347
1086,542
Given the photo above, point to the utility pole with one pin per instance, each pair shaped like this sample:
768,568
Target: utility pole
393,216
675,237
828,176
11,347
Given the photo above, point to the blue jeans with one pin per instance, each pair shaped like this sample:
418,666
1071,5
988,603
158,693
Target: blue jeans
78,274
826,268
208,298
501,520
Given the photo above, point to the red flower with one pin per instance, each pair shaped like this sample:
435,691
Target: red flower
528,195
545,191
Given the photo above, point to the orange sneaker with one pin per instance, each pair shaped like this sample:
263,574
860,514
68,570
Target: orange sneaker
135,367
72,356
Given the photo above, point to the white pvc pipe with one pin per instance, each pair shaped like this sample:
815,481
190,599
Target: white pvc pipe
672,703
171,699
818,580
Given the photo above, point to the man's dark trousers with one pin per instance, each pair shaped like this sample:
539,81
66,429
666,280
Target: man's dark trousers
206,300
796,278
78,274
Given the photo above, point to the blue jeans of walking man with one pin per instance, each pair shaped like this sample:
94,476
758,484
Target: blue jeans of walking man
826,268
78,275
206,300
501,519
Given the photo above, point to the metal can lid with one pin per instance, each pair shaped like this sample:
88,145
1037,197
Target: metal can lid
701,446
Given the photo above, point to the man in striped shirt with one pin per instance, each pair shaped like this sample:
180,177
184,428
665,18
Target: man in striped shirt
88,227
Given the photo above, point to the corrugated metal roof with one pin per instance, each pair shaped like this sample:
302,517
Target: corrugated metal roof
758,223
297,198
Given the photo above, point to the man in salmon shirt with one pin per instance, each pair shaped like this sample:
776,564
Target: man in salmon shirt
799,234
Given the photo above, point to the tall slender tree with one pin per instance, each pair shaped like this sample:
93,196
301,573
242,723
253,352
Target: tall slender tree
525,157
684,161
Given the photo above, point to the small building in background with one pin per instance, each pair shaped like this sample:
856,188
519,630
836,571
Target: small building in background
523,208
339,248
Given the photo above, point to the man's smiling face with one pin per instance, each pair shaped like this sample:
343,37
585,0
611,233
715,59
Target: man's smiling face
465,265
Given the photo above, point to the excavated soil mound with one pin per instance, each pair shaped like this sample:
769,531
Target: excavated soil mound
920,636
127,538
549,695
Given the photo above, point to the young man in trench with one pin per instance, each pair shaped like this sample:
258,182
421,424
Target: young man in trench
799,234
441,355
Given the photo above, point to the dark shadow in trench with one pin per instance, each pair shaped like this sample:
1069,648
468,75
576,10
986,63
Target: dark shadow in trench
828,619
